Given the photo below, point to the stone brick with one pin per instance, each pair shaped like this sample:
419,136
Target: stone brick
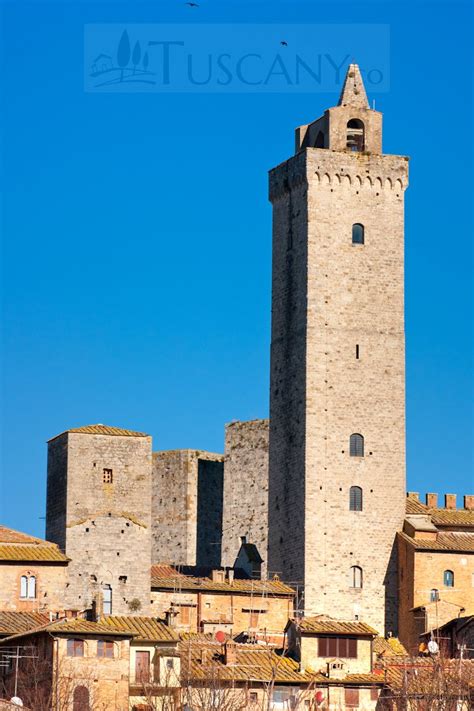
105,528
337,368
187,501
245,488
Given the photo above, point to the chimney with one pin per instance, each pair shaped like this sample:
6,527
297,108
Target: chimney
230,575
469,502
205,655
414,495
432,501
230,652
218,576
450,501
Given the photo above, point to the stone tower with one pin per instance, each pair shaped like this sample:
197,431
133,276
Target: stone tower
99,512
337,402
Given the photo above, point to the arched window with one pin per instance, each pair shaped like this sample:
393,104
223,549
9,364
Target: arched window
357,233
28,587
355,498
355,135
355,578
107,600
356,445
448,578
81,699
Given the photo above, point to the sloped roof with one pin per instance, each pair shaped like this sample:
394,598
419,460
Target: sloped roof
75,626
254,663
19,546
102,430
452,517
390,646
16,622
252,552
440,516
317,625
166,577
143,628
462,542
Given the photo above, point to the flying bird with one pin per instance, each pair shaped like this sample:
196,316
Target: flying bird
284,44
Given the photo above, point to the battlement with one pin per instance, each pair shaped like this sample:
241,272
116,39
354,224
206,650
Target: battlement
431,501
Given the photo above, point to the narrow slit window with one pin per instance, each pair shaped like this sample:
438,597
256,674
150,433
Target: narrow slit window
358,233
448,578
356,445
355,498
107,600
357,351
355,578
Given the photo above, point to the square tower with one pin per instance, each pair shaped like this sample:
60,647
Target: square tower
337,401
99,512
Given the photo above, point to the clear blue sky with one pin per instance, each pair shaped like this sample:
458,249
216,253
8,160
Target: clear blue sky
136,237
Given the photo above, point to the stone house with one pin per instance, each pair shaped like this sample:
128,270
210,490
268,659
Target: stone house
68,665
33,573
436,566
220,602
455,638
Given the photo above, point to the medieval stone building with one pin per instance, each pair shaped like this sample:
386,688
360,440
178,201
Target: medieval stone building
337,400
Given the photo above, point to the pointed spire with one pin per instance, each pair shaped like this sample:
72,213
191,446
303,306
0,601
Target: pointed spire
353,91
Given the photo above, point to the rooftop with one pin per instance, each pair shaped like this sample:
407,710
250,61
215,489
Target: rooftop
165,577
17,622
18,546
324,625
100,429
454,541
147,629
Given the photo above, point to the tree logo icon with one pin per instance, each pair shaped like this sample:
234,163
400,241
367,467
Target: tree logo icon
129,67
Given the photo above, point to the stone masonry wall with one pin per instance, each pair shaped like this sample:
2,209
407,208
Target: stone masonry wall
108,525
50,586
330,295
182,480
245,489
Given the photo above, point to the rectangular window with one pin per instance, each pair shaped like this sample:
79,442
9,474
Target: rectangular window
341,647
351,697
253,697
253,620
75,648
184,615
105,649
142,666
107,600
107,476
374,693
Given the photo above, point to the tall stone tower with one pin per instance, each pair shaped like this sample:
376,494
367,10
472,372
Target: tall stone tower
337,402
99,512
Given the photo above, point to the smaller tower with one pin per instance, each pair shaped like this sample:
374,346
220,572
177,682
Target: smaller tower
99,513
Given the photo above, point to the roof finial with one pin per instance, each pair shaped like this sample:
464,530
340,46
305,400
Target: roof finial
353,91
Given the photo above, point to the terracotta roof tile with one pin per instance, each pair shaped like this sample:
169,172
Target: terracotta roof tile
187,583
102,430
16,622
452,517
75,626
18,546
452,541
44,554
389,646
143,628
317,625
413,506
